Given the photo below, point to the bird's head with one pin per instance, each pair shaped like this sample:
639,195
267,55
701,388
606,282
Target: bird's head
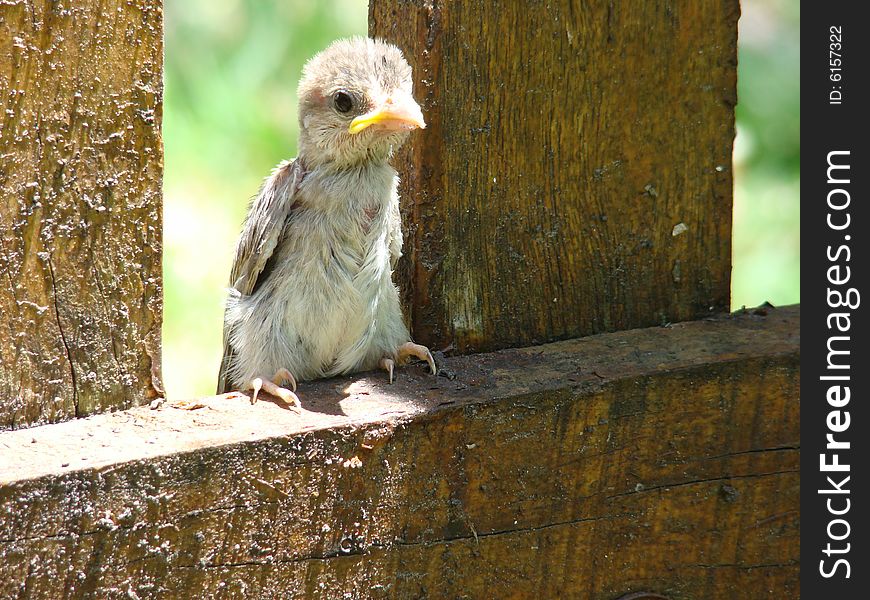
356,103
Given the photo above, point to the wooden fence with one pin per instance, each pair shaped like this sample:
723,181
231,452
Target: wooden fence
574,180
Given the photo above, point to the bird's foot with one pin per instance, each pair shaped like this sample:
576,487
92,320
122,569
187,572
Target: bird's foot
275,386
405,351
388,365
409,349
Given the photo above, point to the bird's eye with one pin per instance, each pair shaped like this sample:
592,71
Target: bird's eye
343,102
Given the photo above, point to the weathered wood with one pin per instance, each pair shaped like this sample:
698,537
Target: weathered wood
575,173
80,207
662,459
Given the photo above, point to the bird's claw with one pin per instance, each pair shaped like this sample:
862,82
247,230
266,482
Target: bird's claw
404,352
271,386
388,364
256,385
285,376
409,349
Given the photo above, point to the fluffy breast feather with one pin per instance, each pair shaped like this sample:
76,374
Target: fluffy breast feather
330,306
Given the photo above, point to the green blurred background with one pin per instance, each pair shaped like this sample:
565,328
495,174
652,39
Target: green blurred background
230,116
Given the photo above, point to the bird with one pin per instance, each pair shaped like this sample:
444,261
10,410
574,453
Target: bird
311,293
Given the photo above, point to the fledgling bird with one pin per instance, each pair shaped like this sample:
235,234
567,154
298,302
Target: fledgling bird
311,291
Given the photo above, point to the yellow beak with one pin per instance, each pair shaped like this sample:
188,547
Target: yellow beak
395,114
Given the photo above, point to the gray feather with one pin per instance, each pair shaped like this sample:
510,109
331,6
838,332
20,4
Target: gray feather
261,233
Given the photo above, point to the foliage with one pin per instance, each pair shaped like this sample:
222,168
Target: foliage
766,252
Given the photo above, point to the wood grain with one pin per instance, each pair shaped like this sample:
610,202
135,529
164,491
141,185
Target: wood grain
568,145
662,459
80,207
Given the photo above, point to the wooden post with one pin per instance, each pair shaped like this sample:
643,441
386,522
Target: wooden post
575,174
80,207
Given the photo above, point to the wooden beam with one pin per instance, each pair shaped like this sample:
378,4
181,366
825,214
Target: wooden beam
81,87
575,173
662,459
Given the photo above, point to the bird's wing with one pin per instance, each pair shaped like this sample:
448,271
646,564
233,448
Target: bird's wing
264,225
261,234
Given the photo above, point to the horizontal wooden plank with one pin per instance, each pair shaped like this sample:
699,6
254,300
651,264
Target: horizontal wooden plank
662,459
